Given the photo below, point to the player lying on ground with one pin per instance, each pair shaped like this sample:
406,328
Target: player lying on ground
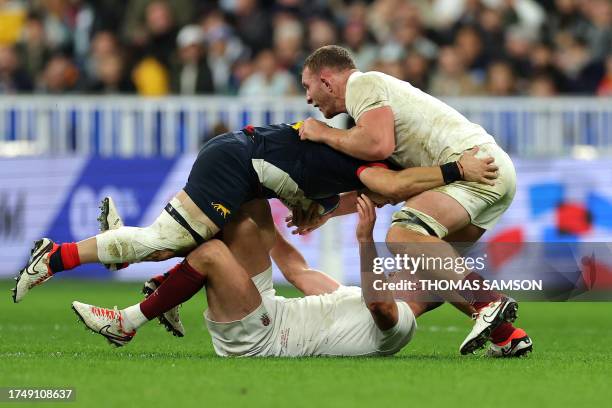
397,121
244,316
231,169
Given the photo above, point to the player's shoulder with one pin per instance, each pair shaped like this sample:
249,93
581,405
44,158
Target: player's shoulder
366,85
369,78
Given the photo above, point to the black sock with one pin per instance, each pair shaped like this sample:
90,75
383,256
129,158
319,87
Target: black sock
55,261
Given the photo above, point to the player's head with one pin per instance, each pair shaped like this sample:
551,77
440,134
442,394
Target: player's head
324,77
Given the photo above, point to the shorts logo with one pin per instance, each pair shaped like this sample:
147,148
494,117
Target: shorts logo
221,209
265,319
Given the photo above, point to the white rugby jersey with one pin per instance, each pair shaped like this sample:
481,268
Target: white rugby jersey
427,131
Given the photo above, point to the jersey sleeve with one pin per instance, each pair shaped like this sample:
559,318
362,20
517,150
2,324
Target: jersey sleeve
365,92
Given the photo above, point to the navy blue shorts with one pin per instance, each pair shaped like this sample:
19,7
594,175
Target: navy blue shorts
222,177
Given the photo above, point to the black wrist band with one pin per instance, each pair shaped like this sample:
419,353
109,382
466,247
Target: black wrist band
451,172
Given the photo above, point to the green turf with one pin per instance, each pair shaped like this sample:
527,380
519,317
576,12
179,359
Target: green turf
42,344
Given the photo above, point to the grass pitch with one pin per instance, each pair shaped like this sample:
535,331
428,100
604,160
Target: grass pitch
43,345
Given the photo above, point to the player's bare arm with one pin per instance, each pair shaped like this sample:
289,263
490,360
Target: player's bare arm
373,137
289,260
401,185
297,271
390,186
381,305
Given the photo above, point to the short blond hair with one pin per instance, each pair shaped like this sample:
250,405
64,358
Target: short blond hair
329,56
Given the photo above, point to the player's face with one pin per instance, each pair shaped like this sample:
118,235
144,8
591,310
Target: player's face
317,93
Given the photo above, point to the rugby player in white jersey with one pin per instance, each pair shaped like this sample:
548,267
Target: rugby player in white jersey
244,316
397,121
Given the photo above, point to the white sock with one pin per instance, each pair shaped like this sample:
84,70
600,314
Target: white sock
133,318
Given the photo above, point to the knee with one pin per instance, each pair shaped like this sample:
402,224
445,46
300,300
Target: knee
208,255
402,235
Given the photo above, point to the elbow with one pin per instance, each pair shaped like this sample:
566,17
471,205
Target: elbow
379,308
377,155
395,193
381,152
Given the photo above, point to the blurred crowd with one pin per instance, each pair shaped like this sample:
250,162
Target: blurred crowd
257,47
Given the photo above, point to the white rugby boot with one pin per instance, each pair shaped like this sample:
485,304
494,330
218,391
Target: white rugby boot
110,219
106,322
37,271
518,344
486,320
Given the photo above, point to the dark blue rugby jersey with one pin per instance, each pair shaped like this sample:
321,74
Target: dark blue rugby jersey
271,162
318,170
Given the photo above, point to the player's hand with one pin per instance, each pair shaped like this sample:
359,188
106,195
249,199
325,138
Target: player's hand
312,130
479,170
367,219
306,221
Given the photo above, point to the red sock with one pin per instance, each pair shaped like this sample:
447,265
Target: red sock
181,284
502,332
70,255
159,279
479,298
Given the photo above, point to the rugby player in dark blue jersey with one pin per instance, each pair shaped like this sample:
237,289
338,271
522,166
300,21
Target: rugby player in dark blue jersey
231,169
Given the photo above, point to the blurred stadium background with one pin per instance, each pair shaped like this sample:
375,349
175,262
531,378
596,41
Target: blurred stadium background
115,97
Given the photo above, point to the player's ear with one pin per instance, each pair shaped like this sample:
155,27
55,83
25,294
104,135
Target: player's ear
325,76
327,84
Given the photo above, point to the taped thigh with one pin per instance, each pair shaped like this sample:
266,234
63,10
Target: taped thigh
419,222
131,244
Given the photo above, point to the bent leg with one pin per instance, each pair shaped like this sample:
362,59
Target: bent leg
419,229
230,292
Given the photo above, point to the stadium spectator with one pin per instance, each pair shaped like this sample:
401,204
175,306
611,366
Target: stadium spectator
111,77
501,80
542,86
161,30
407,35
60,24
493,32
267,79
151,78
518,47
356,38
470,47
288,40
253,24
451,78
12,78
605,85
416,70
32,49
542,62
191,74
321,32
104,44
598,34
575,60
59,77
12,16
135,24
224,49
